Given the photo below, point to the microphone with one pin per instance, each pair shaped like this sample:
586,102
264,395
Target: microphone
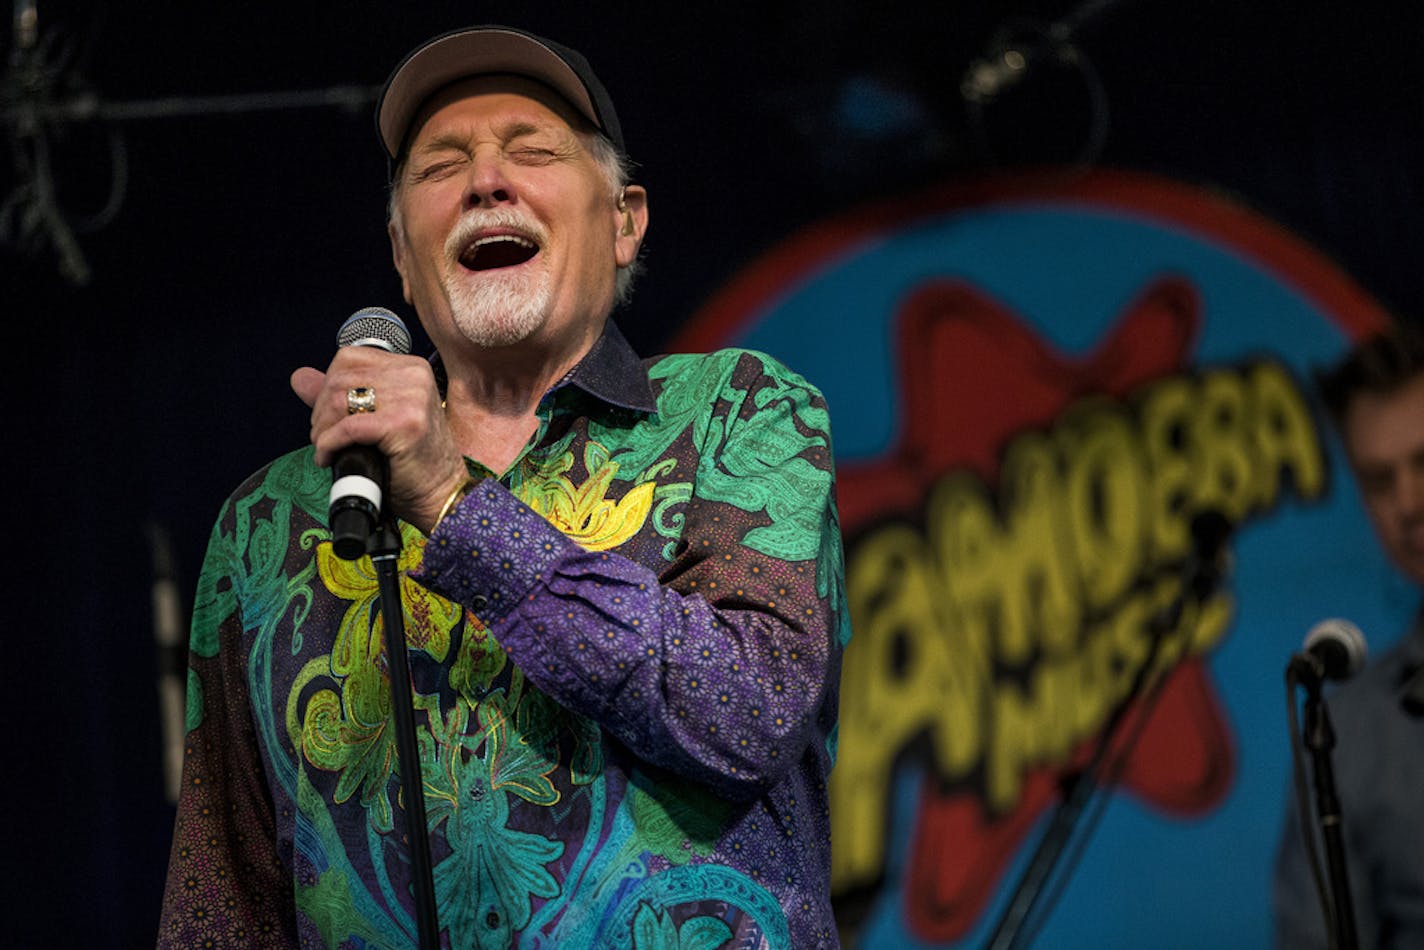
1210,557
359,472
1334,649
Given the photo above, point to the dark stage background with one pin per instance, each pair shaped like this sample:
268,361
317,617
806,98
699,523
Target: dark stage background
143,395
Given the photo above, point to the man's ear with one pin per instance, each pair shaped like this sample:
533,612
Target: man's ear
398,257
632,213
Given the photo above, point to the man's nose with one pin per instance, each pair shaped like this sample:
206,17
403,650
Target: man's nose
487,184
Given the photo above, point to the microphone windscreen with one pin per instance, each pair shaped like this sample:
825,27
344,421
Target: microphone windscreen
1340,646
375,326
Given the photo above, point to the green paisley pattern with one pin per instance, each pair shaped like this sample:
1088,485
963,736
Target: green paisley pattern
489,741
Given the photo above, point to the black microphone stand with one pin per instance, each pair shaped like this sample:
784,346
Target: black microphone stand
1319,737
384,547
1078,790
1201,572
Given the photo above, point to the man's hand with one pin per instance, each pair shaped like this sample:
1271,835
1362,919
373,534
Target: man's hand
408,425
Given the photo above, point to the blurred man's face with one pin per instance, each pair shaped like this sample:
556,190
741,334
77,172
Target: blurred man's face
1384,436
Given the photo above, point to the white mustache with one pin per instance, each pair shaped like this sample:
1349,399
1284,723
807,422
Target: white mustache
474,222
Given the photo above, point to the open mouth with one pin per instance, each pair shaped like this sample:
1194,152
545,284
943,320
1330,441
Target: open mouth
497,250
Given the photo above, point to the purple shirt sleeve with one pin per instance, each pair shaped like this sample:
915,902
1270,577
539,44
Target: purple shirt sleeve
715,668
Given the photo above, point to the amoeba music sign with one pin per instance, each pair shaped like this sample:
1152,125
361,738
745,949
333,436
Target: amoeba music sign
1037,388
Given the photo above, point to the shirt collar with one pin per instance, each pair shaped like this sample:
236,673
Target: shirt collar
610,371
613,372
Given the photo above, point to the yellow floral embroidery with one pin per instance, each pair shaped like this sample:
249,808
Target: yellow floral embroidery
345,729
429,618
344,723
584,512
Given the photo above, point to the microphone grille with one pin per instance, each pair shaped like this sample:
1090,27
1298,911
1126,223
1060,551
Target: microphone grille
1343,642
375,326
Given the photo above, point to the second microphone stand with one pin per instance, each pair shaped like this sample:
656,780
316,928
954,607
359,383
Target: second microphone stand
1318,735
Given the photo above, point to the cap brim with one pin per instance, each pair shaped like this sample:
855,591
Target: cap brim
472,53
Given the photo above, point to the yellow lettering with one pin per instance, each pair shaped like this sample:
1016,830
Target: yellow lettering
1014,730
1286,435
1220,439
1166,423
906,675
1036,578
1010,628
966,535
1104,503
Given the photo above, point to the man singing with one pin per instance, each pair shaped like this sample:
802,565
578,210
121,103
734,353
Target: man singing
621,583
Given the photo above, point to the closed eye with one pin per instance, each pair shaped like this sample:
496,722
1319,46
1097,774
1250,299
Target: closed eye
533,156
437,169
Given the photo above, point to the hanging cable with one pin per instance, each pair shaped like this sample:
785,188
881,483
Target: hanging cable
1022,46
42,94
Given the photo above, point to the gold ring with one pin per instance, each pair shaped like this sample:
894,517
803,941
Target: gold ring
360,399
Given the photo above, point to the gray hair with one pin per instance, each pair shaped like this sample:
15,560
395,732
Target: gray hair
617,171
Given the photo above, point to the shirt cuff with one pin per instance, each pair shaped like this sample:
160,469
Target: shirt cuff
490,552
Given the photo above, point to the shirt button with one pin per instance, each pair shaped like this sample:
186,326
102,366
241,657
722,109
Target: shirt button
492,920
479,602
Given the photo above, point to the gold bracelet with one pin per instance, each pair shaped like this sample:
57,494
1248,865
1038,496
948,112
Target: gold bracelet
461,490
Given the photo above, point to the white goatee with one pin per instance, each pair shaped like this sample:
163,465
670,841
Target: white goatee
504,305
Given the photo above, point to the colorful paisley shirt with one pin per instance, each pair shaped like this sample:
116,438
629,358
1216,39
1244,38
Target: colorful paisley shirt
624,655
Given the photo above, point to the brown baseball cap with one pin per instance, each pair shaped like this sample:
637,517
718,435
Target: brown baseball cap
481,50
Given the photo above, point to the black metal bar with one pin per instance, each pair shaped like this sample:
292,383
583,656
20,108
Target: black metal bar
1201,571
385,552
1319,737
